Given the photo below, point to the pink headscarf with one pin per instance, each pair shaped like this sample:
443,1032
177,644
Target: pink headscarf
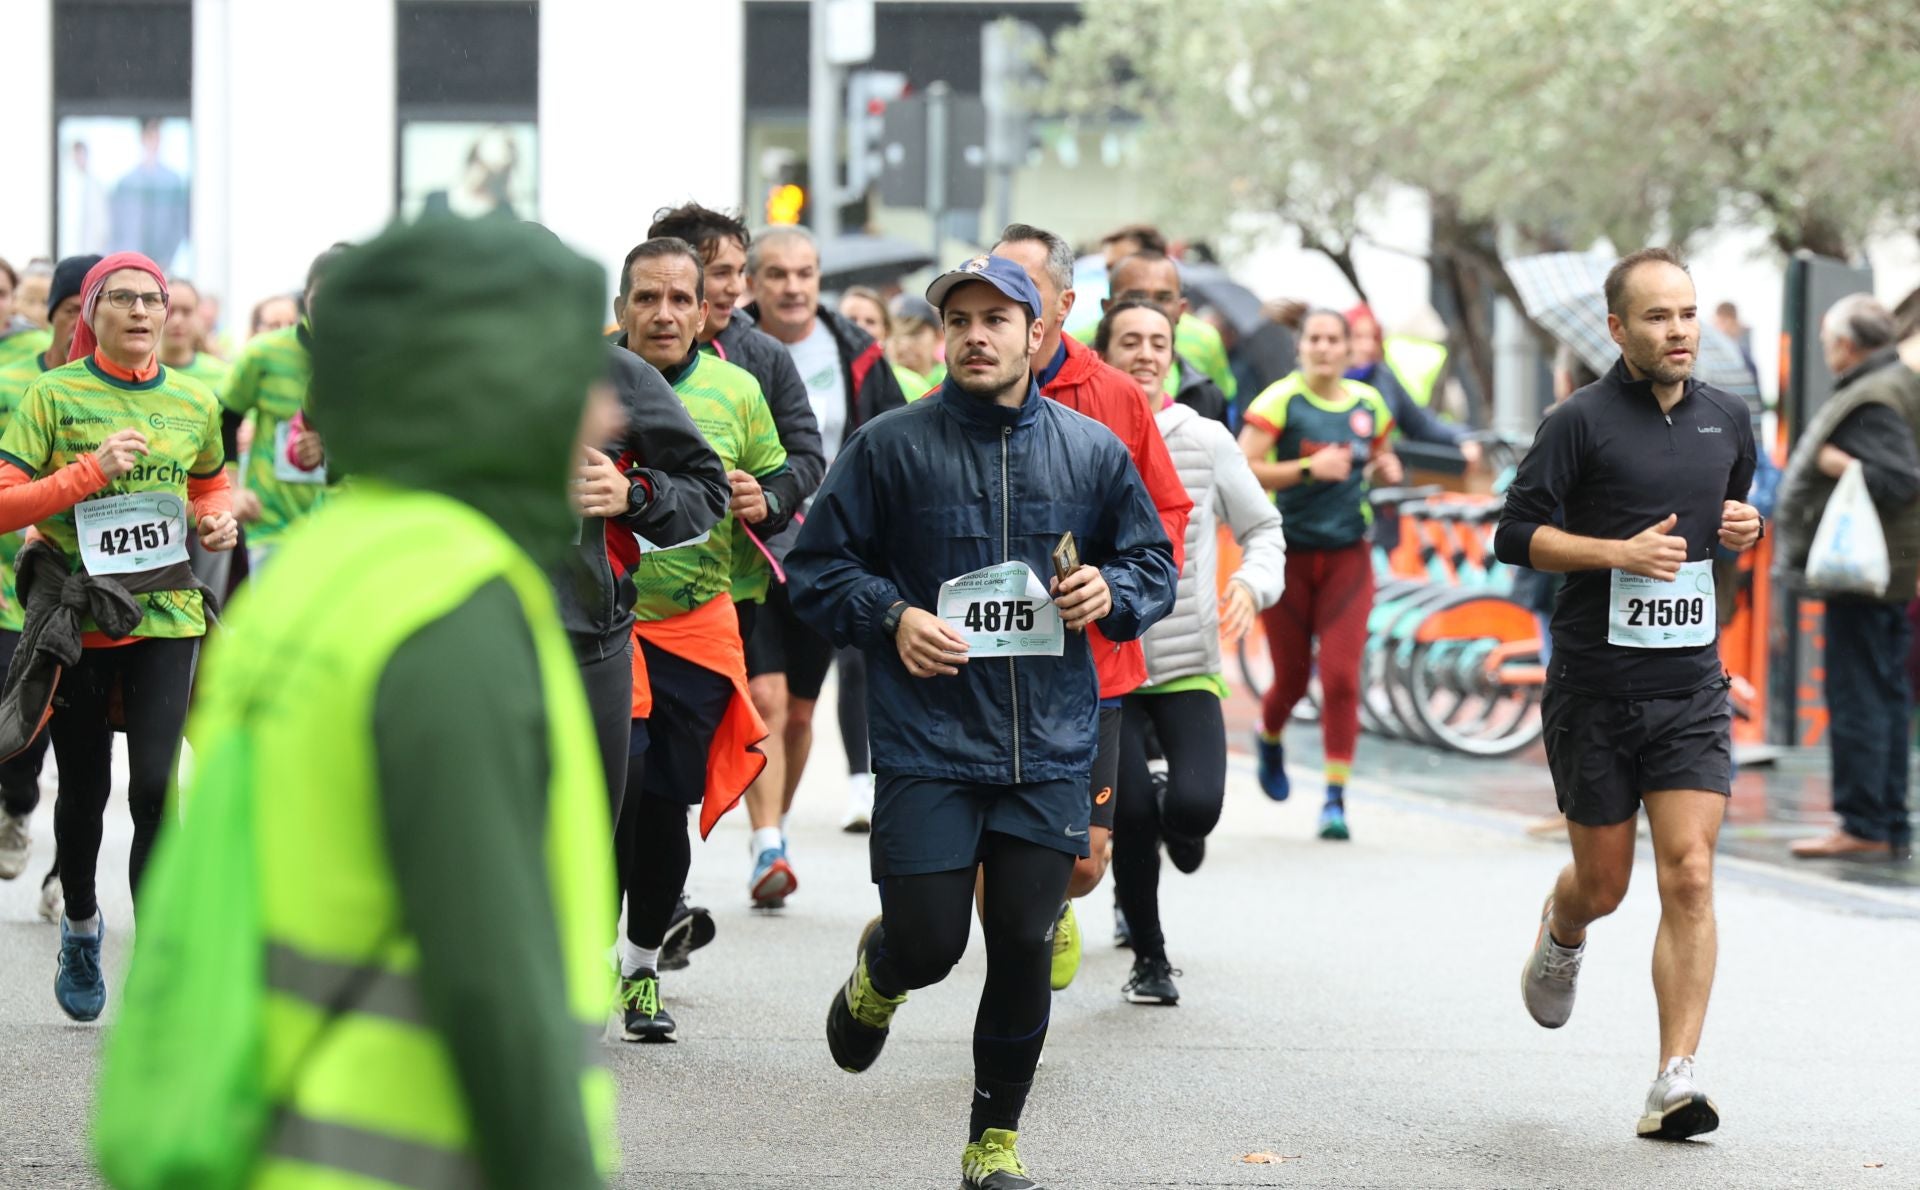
85,343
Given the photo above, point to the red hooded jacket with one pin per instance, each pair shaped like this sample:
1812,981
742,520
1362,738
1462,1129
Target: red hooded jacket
1088,385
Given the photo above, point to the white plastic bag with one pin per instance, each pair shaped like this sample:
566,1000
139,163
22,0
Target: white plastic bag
1849,555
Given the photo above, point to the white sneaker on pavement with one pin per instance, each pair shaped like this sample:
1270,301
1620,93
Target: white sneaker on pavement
16,843
1547,981
1676,1106
859,816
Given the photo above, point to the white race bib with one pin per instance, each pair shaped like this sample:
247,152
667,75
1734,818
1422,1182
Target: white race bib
1003,611
131,533
284,468
1645,613
648,547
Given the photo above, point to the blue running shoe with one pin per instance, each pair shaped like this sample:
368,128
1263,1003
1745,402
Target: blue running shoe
1273,767
79,985
773,880
1333,821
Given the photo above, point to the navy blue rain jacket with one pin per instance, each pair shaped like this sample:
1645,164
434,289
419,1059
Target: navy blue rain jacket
945,486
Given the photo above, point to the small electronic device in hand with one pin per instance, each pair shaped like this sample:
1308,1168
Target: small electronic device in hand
1066,557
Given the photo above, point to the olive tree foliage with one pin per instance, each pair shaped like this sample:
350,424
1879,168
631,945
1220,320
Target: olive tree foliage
1558,121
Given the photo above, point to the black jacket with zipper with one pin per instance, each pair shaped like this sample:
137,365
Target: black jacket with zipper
687,495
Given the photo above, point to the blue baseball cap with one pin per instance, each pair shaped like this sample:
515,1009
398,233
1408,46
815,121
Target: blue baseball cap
1003,274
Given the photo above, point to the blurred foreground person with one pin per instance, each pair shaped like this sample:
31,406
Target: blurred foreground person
394,763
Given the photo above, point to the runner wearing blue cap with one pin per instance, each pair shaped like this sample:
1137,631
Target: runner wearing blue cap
925,549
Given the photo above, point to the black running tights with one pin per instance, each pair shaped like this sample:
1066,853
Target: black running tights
155,677
655,853
1193,738
925,921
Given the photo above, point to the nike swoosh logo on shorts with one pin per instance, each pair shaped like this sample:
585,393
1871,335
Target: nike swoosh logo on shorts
1074,834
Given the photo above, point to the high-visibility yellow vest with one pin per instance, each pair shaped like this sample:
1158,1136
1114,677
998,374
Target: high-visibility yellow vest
1418,363
369,1098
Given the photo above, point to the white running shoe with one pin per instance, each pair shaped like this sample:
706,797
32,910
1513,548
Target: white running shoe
1547,981
859,817
53,901
15,844
1676,1106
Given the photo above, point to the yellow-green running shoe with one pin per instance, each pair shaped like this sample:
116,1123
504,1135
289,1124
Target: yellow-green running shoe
859,1017
990,1163
1066,948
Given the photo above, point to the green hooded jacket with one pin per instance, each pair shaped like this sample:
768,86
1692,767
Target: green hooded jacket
456,357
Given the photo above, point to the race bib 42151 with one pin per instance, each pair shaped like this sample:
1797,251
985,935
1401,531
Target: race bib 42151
131,533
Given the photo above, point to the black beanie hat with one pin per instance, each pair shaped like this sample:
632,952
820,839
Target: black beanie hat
68,276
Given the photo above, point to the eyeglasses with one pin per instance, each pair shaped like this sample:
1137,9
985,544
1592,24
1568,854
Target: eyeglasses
123,299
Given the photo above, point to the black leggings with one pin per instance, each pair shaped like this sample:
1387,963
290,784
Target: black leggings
925,921
20,777
1193,737
655,853
609,683
155,677
852,700
654,850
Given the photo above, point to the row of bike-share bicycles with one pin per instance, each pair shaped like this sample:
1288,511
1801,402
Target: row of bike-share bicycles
1452,658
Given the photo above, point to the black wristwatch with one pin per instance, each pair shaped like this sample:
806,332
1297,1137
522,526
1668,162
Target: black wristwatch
638,497
890,623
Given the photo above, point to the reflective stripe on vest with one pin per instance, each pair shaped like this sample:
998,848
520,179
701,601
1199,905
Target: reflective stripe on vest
333,987
376,1155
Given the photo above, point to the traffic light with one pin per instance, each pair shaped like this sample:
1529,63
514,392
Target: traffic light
786,203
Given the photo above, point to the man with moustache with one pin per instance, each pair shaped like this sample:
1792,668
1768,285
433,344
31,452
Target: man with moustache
924,549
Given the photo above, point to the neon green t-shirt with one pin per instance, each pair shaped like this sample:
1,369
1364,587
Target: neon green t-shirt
269,381
913,385
23,344
209,370
69,411
1198,342
726,403
22,359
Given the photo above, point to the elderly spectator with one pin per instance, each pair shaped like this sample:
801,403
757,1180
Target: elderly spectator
1873,417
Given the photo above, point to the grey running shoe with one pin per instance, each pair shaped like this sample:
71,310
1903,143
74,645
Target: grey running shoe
1676,1106
1547,981
53,899
15,844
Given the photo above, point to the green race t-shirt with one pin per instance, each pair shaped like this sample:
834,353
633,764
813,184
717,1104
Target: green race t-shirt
22,359
1198,342
726,403
269,381
209,370
1319,516
69,411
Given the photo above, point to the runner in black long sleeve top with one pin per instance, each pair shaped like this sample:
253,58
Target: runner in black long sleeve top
1618,465
1650,470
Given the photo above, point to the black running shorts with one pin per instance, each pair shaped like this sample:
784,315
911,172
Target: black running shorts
781,644
932,824
1607,753
1103,791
